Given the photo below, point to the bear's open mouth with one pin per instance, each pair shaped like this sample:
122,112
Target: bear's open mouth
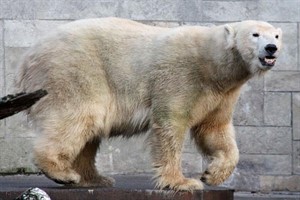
268,61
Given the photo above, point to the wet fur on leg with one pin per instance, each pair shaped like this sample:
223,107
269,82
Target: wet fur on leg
84,164
166,149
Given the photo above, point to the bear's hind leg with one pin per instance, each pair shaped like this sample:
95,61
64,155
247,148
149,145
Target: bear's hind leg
55,160
60,142
84,164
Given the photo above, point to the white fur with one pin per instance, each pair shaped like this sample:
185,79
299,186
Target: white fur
115,77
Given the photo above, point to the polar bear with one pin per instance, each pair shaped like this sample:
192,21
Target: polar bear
115,77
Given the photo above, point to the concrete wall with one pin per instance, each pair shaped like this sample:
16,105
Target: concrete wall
267,117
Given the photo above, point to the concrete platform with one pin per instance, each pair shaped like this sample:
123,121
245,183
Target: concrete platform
267,196
133,187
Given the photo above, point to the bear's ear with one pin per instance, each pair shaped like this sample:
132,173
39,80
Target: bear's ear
229,36
279,31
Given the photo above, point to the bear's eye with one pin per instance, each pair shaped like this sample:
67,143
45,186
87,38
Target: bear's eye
255,35
276,36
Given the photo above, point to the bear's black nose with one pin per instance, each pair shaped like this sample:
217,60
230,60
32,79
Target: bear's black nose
271,48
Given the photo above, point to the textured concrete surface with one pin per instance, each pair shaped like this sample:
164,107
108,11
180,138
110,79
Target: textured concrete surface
296,157
280,183
282,81
275,115
264,140
290,48
267,116
265,164
268,196
296,116
2,79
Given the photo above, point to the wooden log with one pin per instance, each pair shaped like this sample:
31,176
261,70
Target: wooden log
12,104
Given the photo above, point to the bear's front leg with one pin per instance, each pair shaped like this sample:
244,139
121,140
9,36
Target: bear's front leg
167,143
215,138
218,144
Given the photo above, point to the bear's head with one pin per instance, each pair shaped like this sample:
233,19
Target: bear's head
257,42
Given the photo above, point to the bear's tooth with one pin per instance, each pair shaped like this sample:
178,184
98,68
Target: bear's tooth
269,60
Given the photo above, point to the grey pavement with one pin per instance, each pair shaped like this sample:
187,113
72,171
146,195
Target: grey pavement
267,196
